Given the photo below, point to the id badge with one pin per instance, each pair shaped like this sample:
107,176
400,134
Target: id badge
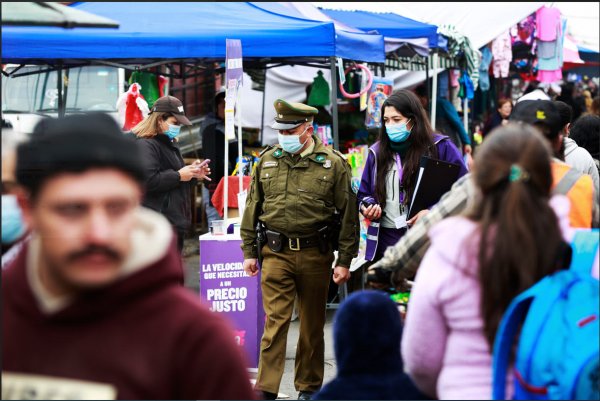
400,221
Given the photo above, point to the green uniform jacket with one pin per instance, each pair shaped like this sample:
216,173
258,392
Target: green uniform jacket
297,199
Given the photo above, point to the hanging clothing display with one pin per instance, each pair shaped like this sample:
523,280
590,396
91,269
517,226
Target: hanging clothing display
502,54
319,92
523,41
549,44
132,107
460,43
149,83
484,67
548,23
467,88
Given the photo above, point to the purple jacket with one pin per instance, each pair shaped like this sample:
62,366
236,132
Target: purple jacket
447,151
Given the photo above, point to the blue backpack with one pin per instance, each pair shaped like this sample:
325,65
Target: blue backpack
557,352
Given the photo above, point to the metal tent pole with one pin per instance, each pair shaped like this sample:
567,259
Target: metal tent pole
61,103
427,85
334,109
262,115
434,90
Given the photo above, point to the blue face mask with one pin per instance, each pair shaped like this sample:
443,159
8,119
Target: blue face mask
397,132
291,143
173,131
12,219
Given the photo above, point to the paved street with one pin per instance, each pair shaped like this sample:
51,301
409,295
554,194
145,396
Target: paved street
286,390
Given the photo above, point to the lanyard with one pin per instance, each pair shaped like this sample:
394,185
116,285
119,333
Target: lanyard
399,167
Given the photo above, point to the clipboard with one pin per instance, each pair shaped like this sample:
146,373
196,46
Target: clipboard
434,180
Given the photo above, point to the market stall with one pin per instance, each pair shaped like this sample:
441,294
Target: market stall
141,42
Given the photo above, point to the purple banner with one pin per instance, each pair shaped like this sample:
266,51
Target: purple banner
228,290
234,70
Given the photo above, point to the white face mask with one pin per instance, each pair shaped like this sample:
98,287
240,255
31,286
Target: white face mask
291,143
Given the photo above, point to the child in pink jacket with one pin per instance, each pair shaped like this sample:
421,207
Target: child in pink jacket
460,294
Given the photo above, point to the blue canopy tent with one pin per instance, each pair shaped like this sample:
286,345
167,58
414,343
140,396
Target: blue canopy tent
347,37
387,24
196,31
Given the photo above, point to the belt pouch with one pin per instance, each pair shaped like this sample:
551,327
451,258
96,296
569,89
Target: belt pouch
274,240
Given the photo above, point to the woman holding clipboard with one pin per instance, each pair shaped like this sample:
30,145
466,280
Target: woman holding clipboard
390,175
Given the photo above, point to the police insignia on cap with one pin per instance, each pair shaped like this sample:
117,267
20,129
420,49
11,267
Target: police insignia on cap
327,163
541,115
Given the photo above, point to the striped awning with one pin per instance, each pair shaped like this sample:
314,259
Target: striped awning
418,63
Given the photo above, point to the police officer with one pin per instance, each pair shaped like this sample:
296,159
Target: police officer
302,201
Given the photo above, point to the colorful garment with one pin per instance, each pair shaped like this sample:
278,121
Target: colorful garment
503,54
548,23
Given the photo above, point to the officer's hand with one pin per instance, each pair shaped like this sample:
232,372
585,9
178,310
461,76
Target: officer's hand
341,274
251,267
417,216
373,212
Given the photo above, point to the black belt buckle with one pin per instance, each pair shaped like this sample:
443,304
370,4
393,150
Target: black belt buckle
294,244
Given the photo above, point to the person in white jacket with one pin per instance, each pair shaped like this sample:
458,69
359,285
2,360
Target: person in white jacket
574,155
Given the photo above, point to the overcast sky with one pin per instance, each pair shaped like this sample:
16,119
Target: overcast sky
582,17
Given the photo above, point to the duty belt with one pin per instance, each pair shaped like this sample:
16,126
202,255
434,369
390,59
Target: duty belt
276,241
296,244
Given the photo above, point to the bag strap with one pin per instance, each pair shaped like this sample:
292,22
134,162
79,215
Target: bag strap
505,335
585,246
566,182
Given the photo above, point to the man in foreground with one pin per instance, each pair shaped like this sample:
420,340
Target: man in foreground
93,306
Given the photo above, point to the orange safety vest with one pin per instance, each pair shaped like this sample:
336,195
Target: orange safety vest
581,195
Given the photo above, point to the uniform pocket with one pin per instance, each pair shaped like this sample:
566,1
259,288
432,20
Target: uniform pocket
268,183
322,186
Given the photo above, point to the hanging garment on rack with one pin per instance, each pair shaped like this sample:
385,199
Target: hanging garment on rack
319,92
548,23
132,107
484,67
149,83
460,43
503,54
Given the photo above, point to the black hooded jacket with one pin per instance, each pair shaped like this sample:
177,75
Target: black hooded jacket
366,334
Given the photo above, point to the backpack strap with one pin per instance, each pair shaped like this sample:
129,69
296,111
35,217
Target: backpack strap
505,336
585,246
437,138
567,182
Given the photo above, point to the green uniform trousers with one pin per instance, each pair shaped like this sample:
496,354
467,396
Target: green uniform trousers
284,274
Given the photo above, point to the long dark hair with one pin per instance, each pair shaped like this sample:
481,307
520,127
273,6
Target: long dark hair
421,137
520,237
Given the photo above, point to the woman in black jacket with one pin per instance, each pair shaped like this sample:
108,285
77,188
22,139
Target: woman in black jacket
168,180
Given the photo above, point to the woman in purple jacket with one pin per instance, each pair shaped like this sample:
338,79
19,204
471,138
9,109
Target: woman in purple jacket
390,174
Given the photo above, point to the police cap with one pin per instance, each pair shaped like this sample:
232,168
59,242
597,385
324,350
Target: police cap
290,115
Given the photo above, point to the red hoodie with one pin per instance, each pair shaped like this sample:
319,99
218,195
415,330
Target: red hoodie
145,334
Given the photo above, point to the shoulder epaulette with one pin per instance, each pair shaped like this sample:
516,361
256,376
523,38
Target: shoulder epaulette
340,154
268,147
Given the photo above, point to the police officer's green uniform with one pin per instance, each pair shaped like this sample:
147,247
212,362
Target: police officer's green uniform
295,196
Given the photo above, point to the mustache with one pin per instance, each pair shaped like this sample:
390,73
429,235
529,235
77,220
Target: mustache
93,250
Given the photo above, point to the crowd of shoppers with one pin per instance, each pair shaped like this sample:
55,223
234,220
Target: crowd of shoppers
99,219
